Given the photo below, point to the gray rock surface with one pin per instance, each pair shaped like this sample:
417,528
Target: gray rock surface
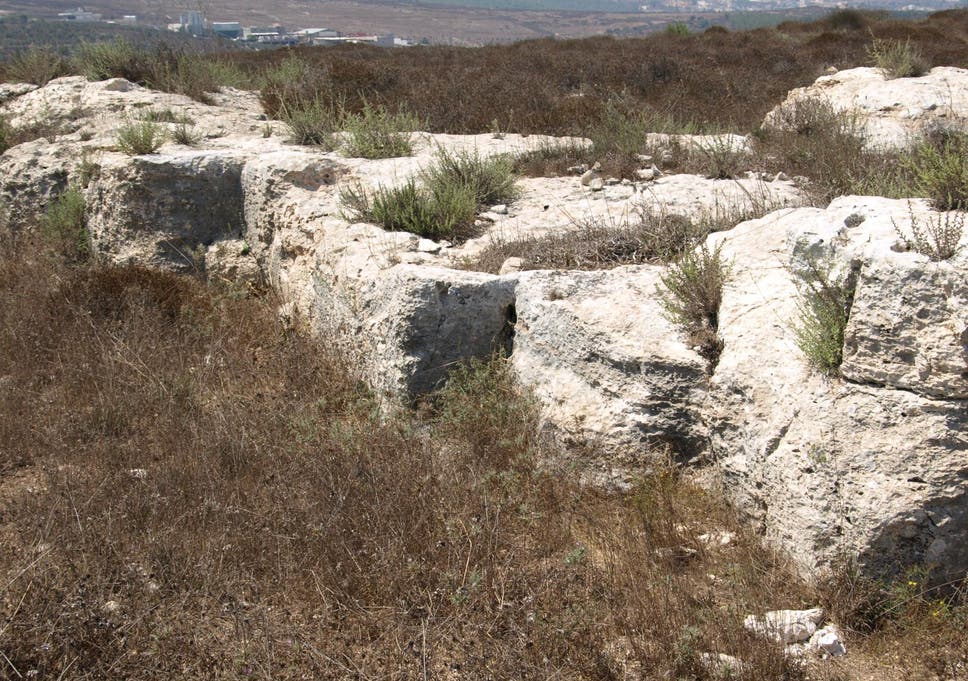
607,366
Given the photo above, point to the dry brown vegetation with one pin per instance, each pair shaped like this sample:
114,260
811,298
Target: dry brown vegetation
191,489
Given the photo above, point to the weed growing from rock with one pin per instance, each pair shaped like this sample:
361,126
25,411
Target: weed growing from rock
140,137
940,167
896,58
185,135
811,138
164,116
823,309
691,292
64,225
437,212
938,236
377,133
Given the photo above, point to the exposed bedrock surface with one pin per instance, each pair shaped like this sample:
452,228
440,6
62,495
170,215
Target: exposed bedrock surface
870,465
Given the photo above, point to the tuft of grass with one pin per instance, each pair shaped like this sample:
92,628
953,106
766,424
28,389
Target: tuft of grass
377,133
38,66
691,292
311,122
491,180
896,58
164,116
64,225
552,159
823,311
721,159
939,237
184,134
140,137
437,212
595,244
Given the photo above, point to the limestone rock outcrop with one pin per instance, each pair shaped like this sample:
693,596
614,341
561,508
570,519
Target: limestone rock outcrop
828,467
870,465
890,111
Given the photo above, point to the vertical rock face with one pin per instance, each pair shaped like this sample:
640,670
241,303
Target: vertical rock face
832,468
909,327
165,209
414,324
606,365
31,178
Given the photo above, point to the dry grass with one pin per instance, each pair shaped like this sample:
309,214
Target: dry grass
188,489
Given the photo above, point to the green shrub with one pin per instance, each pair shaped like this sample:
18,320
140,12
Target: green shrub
443,211
809,137
140,137
115,59
311,122
677,28
939,237
692,290
377,133
164,116
491,180
64,224
940,167
38,66
192,75
823,308
294,83
897,59
6,135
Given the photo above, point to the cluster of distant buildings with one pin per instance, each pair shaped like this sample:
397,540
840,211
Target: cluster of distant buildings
194,23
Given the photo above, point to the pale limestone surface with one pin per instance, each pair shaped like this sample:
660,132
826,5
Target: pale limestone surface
891,112
829,466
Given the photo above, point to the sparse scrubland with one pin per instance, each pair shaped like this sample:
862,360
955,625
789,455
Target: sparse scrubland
191,486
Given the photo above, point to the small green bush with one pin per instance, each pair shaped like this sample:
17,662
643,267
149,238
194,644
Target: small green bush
443,211
677,28
377,133
811,138
823,310
939,237
491,180
64,225
897,59
311,122
692,290
38,66
940,167
140,137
